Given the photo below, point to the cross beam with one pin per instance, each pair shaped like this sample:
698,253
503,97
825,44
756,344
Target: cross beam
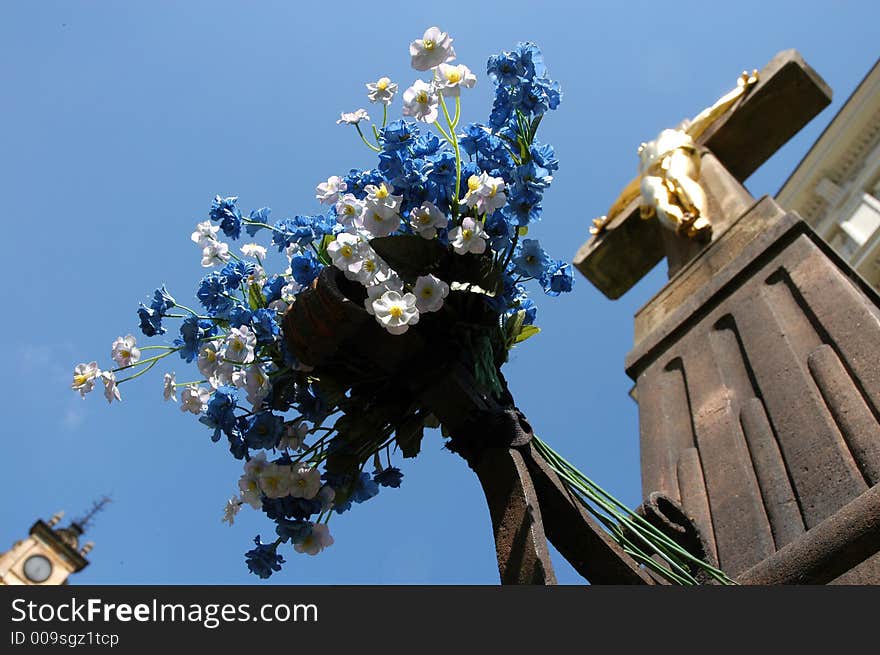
788,95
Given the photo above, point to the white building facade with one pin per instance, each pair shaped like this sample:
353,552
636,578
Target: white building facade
836,188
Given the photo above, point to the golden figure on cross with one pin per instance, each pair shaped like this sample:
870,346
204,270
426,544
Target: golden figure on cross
669,173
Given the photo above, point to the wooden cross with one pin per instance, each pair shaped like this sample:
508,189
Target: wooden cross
787,95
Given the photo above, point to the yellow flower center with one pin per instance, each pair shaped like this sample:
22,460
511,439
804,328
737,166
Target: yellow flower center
377,217
422,98
382,191
429,44
370,265
474,182
530,259
301,483
424,219
346,251
467,234
125,353
396,311
493,190
383,83
80,380
427,292
453,76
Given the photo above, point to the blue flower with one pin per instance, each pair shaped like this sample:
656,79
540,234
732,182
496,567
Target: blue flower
531,60
290,507
220,414
263,559
559,280
264,429
213,294
531,260
151,321
390,477
296,531
310,404
272,288
544,155
192,331
505,69
364,489
162,301
398,134
425,145
151,317
235,272
265,326
532,177
239,315
356,181
258,216
299,230
523,207
224,211
305,267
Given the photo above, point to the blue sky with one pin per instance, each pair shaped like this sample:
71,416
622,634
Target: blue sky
123,120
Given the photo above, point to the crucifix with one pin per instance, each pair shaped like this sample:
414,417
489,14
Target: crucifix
756,366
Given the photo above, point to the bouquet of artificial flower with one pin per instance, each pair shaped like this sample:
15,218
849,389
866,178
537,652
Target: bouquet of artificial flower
320,374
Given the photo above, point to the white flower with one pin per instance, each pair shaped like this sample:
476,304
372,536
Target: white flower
169,391
256,276
84,377
124,351
289,291
381,195
468,237
305,482
421,101
373,268
257,384
111,391
452,78
255,465
434,48
328,192
275,480
379,220
233,505
354,117
254,251
249,485
348,208
327,495
194,399
279,306
382,90
239,345
318,540
396,312
215,253
208,361
485,192
205,233
294,435
345,252
376,291
430,292
427,219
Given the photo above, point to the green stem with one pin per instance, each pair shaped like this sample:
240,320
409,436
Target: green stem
364,139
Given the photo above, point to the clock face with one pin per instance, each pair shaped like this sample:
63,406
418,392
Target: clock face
37,568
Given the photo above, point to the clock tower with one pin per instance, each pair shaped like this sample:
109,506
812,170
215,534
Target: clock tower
48,555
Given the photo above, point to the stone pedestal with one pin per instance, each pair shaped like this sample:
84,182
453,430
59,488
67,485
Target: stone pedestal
757,372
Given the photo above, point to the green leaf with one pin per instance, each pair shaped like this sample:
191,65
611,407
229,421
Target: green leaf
255,297
323,256
526,332
409,254
409,436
